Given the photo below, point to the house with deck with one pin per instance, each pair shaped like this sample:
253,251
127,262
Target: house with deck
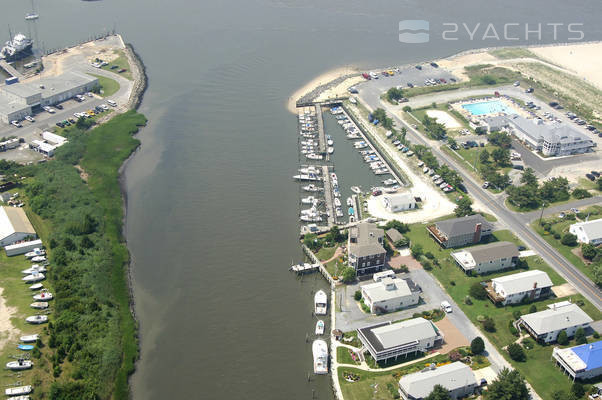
487,258
580,362
456,377
588,232
458,232
366,253
545,325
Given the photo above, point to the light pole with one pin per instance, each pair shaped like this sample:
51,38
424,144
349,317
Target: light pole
543,205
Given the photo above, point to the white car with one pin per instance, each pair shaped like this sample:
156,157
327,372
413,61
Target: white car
30,118
15,123
50,110
112,103
445,306
90,94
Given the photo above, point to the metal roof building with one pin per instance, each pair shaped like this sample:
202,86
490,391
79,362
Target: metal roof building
457,378
546,325
14,226
487,258
580,362
588,231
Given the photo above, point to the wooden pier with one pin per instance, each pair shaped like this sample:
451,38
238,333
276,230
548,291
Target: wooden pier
321,133
328,196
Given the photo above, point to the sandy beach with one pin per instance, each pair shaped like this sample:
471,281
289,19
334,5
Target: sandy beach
7,331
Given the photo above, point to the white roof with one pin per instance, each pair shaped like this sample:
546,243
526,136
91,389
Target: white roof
54,138
554,319
399,199
451,376
12,220
592,229
523,281
387,288
404,332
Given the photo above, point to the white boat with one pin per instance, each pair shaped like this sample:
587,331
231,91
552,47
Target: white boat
308,200
21,398
330,150
330,142
20,364
389,181
36,286
34,277
313,156
312,188
320,327
352,100
320,352
18,390
308,177
31,16
33,269
38,259
35,252
356,189
44,295
39,305
320,302
349,201
392,189
310,218
17,47
310,170
337,202
37,319
29,338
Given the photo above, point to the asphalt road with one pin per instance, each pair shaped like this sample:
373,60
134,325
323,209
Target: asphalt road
517,223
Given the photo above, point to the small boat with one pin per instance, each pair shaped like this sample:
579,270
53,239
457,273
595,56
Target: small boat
320,302
302,267
18,390
330,142
20,364
39,305
310,170
35,252
33,269
389,181
34,277
337,202
351,211
44,295
312,188
29,338
320,352
31,16
38,259
320,327
36,286
313,156
356,189
37,319
349,201
308,177
25,347
310,218
330,150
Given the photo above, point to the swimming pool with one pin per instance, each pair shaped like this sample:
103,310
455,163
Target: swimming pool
488,107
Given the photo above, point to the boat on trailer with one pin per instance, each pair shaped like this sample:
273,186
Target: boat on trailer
39,305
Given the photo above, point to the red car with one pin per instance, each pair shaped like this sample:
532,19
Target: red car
366,76
376,192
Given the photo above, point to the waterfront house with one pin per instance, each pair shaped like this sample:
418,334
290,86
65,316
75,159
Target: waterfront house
580,362
365,248
456,377
588,231
545,325
14,226
512,289
390,294
459,232
487,258
399,202
392,340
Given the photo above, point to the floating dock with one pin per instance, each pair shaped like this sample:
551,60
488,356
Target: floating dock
329,196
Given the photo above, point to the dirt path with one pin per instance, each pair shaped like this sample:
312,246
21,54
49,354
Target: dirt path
7,331
337,253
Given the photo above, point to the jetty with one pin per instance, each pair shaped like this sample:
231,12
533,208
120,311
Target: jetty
10,69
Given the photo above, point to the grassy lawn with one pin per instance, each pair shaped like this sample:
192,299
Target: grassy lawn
122,63
326,253
109,86
344,357
545,377
512,52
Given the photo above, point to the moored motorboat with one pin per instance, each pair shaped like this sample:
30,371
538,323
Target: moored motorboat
356,189
320,352
389,181
37,319
20,364
29,338
18,390
320,327
312,188
349,201
308,200
330,150
39,305
320,302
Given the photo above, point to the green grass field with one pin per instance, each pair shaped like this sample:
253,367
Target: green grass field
122,63
109,86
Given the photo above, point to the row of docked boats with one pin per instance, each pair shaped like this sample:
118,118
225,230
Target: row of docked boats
311,173
351,130
308,129
319,347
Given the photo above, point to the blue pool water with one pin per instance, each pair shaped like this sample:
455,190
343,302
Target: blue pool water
488,107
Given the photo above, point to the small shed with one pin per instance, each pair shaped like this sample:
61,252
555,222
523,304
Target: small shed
394,236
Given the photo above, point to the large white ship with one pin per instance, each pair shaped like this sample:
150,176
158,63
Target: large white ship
320,351
18,47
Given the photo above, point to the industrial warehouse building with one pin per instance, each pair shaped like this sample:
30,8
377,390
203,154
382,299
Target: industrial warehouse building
392,340
21,99
14,226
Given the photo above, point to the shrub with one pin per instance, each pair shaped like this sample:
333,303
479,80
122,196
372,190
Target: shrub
516,352
427,265
516,314
532,309
557,235
477,345
596,335
588,251
357,295
489,325
407,109
569,240
429,255
467,301
528,344
581,193
580,336
404,268
416,250
512,329
562,338
578,390
455,355
453,283
477,291
348,275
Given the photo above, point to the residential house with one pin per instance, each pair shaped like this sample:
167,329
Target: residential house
580,362
588,231
392,340
459,232
390,294
394,236
456,377
365,248
512,289
487,258
545,325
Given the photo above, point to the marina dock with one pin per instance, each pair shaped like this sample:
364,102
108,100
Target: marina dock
328,196
321,133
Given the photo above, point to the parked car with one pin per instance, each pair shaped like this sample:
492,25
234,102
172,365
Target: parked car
595,173
30,118
485,185
58,106
445,306
419,67
16,123
590,177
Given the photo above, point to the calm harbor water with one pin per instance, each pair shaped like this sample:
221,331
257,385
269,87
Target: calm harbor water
212,210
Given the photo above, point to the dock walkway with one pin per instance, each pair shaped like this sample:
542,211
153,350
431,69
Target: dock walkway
10,70
328,196
321,133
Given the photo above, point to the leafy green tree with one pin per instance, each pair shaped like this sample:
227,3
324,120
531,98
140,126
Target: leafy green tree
357,296
334,235
568,239
524,196
484,156
589,251
477,346
416,250
348,275
477,291
500,139
516,352
532,309
489,325
562,338
555,189
438,393
463,207
452,142
397,225
501,156
528,177
580,337
578,390
407,109
579,193
509,385
86,243
394,94
402,242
